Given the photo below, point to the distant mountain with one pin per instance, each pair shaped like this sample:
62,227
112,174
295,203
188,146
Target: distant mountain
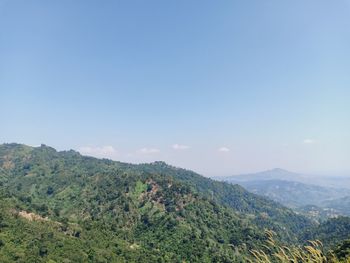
281,174
274,174
314,196
294,194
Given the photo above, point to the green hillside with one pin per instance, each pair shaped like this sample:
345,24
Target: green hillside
64,207
330,232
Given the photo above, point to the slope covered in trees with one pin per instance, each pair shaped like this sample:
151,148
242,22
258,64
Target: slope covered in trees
65,207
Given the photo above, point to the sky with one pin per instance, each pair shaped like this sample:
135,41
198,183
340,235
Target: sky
219,87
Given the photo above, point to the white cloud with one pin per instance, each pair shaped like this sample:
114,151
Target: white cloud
99,151
224,149
309,141
148,151
180,147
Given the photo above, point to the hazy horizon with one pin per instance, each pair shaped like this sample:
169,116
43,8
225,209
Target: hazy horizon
215,175
227,88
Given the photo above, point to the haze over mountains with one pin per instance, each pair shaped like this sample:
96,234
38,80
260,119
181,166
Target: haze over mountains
325,195
281,174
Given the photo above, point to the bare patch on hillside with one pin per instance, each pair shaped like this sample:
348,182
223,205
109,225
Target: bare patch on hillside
32,216
7,163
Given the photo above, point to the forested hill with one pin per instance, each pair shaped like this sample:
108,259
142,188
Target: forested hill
66,207
263,212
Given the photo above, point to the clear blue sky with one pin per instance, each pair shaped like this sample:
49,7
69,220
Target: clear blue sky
221,87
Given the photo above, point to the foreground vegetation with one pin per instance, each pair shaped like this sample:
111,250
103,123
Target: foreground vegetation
313,252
